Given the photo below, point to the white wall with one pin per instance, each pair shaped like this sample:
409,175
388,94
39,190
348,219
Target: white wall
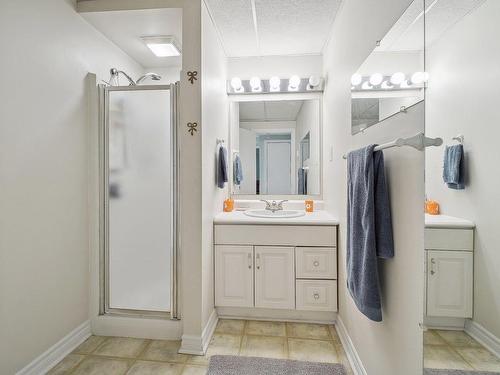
458,102
395,346
267,66
47,50
215,124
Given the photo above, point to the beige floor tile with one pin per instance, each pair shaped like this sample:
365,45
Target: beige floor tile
231,326
312,350
89,345
334,333
343,358
308,331
265,328
458,338
100,366
155,368
194,370
432,338
443,357
121,347
480,359
67,364
264,346
223,344
164,350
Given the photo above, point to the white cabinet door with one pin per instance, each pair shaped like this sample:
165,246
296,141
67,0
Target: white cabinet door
449,283
234,276
274,277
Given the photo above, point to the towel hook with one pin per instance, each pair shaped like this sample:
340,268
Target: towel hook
459,138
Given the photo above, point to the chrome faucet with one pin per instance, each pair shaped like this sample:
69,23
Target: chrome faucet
274,206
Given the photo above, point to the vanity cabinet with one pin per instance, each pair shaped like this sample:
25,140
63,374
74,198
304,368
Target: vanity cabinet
449,272
287,267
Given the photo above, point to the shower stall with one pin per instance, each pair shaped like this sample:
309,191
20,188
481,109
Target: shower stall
138,200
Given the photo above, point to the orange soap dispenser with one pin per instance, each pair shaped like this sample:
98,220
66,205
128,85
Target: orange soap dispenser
431,207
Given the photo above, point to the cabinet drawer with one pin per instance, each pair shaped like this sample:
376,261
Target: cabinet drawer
316,295
449,239
275,235
316,262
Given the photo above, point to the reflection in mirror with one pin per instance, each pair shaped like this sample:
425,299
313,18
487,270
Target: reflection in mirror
392,78
276,147
462,184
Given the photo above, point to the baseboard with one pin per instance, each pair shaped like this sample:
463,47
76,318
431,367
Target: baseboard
197,345
44,362
350,350
483,336
320,317
437,322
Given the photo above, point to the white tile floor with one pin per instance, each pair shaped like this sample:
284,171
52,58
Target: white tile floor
120,355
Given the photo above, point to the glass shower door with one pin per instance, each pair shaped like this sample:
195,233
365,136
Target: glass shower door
139,176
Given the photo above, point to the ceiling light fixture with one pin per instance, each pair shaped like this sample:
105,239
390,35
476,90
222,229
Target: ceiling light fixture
162,46
255,84
294,83
274,84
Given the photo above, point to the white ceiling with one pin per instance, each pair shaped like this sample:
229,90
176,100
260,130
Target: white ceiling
408,32
273,27
285,110
125,27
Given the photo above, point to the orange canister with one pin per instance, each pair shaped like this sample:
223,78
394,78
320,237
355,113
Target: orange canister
228,205
309,204
431,207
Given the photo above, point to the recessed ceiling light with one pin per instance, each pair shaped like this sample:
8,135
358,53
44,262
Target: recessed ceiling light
162,46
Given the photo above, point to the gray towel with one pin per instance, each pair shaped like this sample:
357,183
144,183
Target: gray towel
222,167
369,228
237,170
453,167
302,181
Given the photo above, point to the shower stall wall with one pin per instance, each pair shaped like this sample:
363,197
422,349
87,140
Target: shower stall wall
138,196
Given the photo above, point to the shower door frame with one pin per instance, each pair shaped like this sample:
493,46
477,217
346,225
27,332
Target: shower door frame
104,289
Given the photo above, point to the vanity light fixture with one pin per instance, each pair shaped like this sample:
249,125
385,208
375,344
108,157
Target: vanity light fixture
294,83
356,79
255,84
406,84
398,78
237,85
419,77
162,46
366,86
314,81
274,84
386,85
376,79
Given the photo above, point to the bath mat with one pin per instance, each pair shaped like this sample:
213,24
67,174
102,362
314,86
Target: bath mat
234,365
431,371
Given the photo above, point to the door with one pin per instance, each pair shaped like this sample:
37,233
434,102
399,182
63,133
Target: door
234,276
247,147
449,283
274,277
278,167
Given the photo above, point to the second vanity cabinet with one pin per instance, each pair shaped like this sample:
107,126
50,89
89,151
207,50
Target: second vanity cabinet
290,267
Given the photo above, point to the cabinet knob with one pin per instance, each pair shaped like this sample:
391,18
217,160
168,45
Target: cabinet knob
315,263
316,295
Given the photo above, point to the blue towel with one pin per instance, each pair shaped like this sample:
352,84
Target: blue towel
222,167
237,170
369,228
453,167
302,181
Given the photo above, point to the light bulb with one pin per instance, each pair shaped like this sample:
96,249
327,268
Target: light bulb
314,81
255,84
386,85
275,83
418,78
356,79
398,78
405,84
376,79
294,83
366,86
236,83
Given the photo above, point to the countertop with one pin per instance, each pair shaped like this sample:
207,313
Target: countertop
310,218
444,221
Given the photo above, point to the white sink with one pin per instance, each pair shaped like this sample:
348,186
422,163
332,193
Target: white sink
276,214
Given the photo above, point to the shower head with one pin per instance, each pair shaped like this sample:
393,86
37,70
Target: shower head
115,73
153,76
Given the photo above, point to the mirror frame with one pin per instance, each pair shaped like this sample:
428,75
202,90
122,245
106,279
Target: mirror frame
276,97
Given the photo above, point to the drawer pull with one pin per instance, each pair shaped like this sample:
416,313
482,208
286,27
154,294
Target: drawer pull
249,261
433,262
316,263
316,295
257,261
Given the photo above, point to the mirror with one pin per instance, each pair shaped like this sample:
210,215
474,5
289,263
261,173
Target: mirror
392,78
275,147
